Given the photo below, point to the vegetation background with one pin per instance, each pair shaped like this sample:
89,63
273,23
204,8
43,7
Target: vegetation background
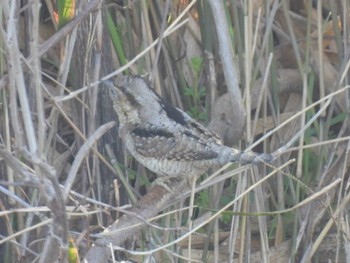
270,72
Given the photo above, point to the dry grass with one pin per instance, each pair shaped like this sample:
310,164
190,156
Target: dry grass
270,73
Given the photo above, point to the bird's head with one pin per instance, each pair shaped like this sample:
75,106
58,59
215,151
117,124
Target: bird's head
133,99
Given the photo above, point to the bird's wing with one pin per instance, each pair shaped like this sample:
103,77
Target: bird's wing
160,143
183,121
200,131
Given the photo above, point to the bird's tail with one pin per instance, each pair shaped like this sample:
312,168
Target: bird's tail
251,157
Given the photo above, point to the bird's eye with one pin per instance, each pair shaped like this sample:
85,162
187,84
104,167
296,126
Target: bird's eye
129,95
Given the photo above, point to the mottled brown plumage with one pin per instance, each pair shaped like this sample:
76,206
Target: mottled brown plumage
165,139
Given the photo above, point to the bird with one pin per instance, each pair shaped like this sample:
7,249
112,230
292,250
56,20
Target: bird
165,139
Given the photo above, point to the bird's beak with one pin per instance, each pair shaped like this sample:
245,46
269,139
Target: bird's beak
107,82
113,91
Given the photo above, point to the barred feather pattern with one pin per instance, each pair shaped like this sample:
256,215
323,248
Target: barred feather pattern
165,139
